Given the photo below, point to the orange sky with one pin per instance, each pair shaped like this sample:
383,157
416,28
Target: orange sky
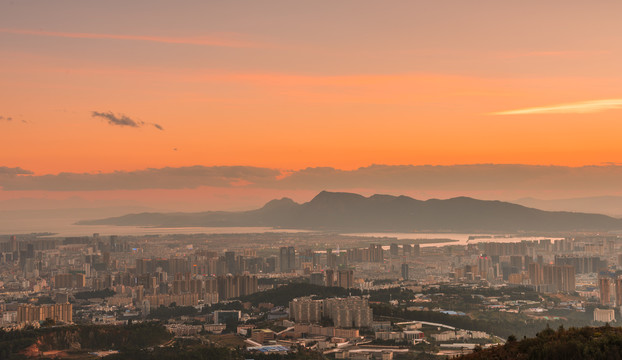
287,86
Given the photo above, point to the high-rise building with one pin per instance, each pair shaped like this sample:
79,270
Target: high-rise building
516,261
416,250
559,277
287,259
604,288
345,278
80,280
63,281
351,312
13,243
230,262
306,310
535,274
393,249
330,277
376,254
484,263
405,271
56,312
143,266
232,286
619,291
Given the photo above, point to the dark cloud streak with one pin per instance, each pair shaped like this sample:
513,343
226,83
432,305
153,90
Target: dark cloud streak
11,171
122,120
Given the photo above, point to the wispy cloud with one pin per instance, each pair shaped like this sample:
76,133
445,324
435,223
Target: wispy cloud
580,107
552,54
122,120
190,177
216,41
2,118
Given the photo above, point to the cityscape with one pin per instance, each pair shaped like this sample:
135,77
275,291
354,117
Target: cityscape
374,298
310,180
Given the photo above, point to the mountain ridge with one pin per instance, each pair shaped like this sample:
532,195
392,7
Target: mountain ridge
342,211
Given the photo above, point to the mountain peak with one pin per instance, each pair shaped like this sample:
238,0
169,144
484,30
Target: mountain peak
338,196
280,204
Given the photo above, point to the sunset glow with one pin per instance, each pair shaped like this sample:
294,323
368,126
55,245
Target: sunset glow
284,87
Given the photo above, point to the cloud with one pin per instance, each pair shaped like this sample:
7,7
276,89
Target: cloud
553,53
580,107
14,171
220,41
190,177
492,180
122,120
2,118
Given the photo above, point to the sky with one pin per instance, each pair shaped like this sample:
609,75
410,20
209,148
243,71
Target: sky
217,104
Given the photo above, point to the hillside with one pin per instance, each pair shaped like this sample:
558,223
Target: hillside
80,339
352,212
573,344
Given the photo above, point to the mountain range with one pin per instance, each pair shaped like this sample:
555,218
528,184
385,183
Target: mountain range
337,211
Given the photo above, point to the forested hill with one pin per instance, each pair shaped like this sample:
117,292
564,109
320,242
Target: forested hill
587,343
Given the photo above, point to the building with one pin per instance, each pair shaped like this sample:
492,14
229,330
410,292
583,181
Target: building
405,271
559,278
287,259
484,263
351,312
535,273
155,301
230,262
345,278
263,336
63,281
57,312
330,278
604,289
306,310
231,286
330,331
376,254
604,315
224,316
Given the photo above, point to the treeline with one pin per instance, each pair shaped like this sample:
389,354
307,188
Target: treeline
95,294
513,293
282,295
500,324
575,343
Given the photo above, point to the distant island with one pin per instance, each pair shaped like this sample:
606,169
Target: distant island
338,211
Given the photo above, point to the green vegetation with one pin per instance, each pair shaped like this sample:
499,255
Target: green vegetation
495,323
576,344
99,294
282,295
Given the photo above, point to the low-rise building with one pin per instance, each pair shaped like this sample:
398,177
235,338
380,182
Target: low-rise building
604,315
